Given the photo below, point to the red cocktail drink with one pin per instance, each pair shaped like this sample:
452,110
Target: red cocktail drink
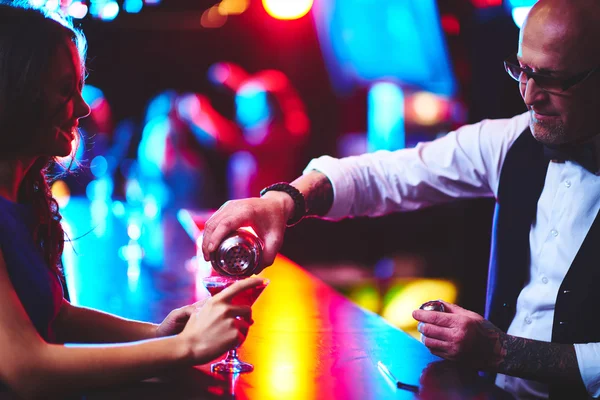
215,284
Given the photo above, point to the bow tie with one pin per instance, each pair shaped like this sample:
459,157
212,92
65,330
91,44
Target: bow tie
584,155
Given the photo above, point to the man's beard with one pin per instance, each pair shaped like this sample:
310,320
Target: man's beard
549,133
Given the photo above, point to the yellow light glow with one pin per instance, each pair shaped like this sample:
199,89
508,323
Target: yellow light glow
287,366
366,296
405,297
61,192
427,107
287,9
212,18
233,7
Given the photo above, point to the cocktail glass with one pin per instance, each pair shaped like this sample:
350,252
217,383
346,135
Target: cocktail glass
215,284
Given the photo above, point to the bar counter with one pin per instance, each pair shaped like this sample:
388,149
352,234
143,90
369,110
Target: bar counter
309,342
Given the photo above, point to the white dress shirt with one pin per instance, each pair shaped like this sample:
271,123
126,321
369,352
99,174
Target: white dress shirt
466,163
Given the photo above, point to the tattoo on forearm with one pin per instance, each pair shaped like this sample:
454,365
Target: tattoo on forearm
541,361
320,197
492,334
529,359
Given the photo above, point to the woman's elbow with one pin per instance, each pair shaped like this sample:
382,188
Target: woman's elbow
27,378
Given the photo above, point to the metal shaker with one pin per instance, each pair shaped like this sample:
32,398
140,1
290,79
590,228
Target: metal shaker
238,255
433,305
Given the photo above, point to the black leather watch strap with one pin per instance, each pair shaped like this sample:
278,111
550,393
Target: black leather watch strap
295,194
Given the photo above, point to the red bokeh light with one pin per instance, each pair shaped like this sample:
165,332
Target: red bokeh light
450,24
486,3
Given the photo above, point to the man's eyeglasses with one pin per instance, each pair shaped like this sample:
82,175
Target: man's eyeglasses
547,82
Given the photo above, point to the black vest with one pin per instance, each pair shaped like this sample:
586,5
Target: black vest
575,318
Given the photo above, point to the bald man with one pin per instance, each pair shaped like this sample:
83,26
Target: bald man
541,331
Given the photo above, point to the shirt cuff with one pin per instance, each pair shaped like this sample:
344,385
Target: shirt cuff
588,358
341,181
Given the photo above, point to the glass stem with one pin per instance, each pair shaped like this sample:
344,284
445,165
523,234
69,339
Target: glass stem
232,355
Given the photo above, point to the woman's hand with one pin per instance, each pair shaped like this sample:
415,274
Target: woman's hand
267,215
177,319
219,326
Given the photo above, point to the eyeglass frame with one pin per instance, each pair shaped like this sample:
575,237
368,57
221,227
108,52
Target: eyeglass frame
565,83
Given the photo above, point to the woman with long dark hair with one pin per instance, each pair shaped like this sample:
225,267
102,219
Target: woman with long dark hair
41,77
